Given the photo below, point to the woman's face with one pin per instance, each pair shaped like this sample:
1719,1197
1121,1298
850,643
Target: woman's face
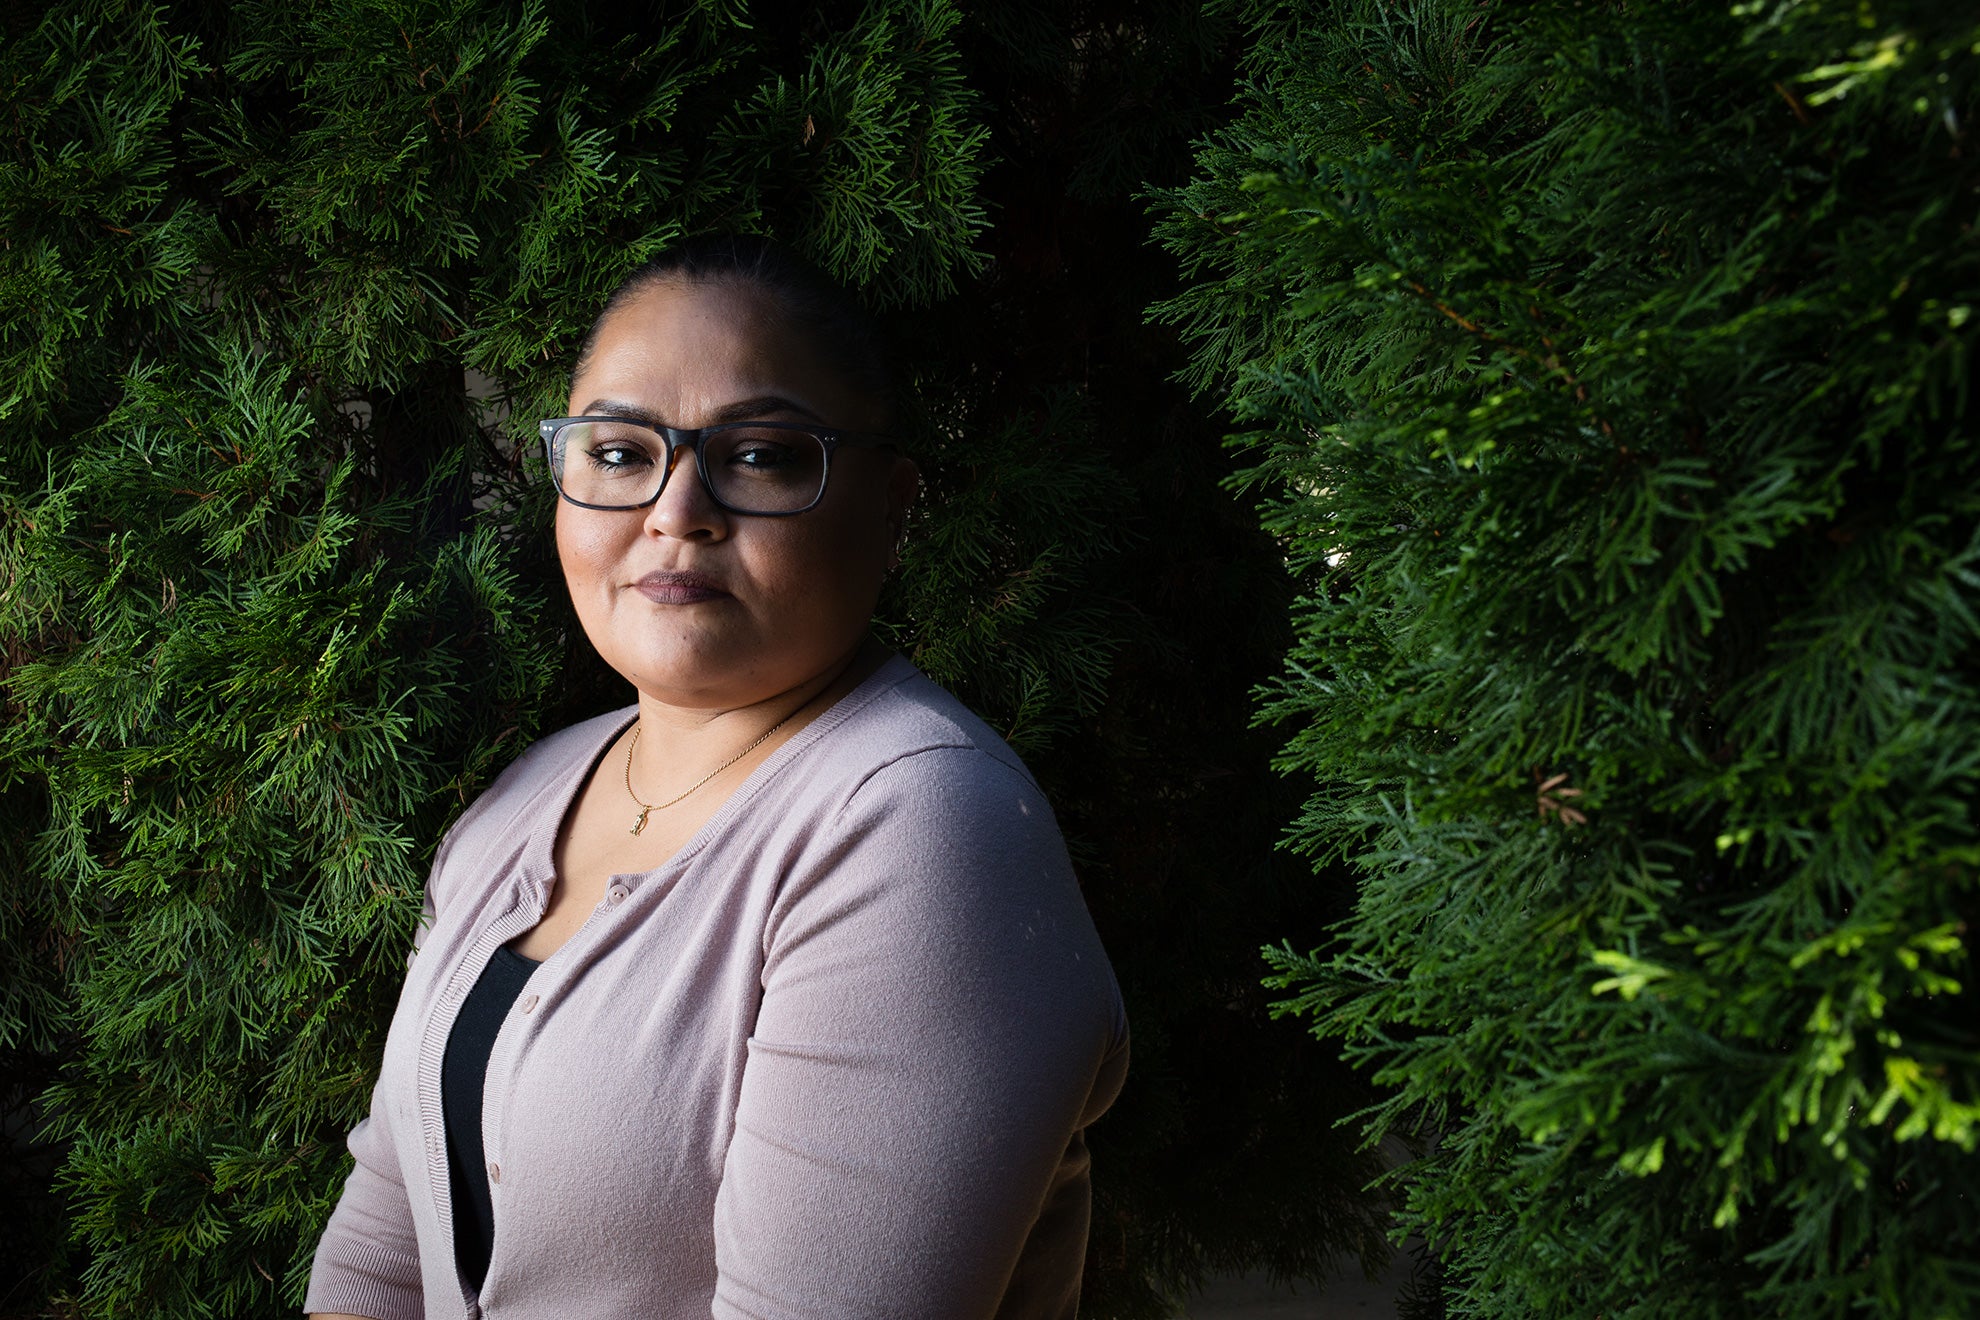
701,608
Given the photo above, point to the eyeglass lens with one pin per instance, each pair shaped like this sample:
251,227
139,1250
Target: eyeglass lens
751,469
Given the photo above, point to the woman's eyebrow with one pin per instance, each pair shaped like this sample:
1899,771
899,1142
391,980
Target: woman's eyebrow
744,409
741,410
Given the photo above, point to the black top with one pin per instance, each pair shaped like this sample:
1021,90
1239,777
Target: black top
463,1070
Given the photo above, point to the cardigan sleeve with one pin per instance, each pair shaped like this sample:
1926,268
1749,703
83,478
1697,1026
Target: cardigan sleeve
367,1262
938,1024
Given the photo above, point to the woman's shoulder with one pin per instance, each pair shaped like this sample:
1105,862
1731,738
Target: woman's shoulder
932,840
908,771
911,719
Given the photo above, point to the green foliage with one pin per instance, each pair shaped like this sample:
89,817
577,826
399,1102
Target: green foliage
1607,374
888,173
1011,555
276,589
281,288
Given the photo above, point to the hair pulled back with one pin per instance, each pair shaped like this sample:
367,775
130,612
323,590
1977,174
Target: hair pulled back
838,328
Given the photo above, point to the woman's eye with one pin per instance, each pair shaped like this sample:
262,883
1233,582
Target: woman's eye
749,452
763,455
618,456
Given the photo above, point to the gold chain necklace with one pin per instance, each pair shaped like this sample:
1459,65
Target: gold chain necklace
648,808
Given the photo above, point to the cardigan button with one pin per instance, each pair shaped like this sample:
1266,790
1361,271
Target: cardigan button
494,1172
617,894
529,1003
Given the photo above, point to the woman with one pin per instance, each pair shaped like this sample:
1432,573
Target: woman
772,995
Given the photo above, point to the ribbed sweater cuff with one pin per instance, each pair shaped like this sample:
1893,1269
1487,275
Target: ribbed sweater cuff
360,1278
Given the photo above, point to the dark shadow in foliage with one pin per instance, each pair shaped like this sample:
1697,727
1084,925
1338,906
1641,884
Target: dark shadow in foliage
1222,1153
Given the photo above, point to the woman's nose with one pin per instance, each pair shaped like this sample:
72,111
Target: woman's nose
685,510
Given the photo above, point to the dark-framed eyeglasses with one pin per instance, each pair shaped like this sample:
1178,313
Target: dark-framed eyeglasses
768,469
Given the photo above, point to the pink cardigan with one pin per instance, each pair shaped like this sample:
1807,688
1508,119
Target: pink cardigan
833,1059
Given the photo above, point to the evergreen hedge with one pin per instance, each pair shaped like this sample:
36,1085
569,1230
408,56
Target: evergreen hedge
282,287
1606,373
276,278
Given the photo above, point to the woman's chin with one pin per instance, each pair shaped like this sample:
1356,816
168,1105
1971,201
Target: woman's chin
714,679
730,677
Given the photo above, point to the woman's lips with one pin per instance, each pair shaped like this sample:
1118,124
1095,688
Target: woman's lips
678,588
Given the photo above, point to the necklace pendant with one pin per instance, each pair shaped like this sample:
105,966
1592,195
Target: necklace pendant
640,824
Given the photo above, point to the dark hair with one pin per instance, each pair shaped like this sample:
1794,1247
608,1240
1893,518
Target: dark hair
840,331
